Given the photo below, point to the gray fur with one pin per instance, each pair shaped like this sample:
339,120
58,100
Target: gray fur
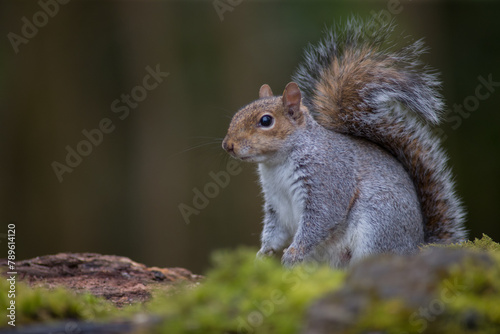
366,183
393,113
363,203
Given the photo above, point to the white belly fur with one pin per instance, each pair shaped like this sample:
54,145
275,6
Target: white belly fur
285,196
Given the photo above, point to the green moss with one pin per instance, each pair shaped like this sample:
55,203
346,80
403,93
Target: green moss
467,300
42,305
483,244
247,296
243,295
476,303
238,294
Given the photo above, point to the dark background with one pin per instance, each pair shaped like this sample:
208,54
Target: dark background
124,197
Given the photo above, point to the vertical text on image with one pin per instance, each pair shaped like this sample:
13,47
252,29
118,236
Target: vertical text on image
11,273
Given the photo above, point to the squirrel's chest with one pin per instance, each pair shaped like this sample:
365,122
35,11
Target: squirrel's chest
283,190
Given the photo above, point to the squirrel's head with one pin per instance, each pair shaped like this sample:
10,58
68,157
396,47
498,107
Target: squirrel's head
259,130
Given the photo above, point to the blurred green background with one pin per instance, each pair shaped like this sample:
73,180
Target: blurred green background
123,198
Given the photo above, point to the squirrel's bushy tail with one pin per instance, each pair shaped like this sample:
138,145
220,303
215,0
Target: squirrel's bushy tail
354,83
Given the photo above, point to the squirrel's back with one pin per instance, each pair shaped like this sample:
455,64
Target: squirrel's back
354,84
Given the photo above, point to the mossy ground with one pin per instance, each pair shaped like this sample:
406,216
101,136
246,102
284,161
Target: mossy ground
42,305
467,300
242,295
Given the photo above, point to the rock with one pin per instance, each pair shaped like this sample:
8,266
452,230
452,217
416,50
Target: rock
413,283
116,278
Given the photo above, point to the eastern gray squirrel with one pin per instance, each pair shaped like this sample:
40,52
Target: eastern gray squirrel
348,163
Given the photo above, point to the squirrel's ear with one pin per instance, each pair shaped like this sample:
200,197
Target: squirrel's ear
265,91
291,100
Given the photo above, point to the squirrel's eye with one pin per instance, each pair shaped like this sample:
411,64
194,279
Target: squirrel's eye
266,121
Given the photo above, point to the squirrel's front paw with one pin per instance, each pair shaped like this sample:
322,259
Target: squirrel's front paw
291,257
265,252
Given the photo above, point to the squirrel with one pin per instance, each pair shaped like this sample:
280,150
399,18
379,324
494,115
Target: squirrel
348,163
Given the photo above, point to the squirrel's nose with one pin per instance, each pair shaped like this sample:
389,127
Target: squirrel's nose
229,147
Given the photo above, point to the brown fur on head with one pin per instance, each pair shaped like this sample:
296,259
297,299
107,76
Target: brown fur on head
260,129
